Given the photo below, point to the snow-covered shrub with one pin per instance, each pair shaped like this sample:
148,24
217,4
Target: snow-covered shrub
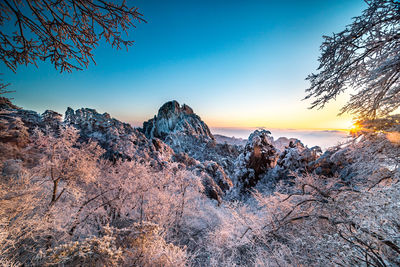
136,245
143,245
93,251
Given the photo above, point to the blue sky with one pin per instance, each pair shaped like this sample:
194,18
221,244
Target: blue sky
236,63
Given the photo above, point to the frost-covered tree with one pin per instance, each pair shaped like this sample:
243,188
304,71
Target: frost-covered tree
136,245
363,57
64,31
65,163
40,192
295,158
57,208
132,191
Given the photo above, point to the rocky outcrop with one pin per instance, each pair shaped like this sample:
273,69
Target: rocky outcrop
119,139
296,158
219,175
258,157
30,119
174,119
52,119
16,123
216,182
334,162
12,129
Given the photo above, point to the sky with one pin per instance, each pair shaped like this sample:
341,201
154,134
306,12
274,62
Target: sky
238,64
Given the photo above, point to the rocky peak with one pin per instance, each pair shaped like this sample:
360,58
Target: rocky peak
89,120
175,119
186,109
52,119
119,139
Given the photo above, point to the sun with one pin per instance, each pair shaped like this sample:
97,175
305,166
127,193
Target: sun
355,127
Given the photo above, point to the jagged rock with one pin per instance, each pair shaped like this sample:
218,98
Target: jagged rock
13,131
211,188
119,139
90,121
334,162
190,138
258,157
172,118
11,113
185,159
219,175
31,119
296,158
202,151
163,151
16,124
52,119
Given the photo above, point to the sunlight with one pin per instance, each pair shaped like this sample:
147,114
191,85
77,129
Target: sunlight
355,127
393,137
350,124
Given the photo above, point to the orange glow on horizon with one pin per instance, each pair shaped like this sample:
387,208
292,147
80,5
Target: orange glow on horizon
339,124
280,114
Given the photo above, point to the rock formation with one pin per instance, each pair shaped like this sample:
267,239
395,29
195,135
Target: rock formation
119,139
174,119
296,158
258,157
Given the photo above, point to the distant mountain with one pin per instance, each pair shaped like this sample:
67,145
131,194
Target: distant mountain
283,142
222,139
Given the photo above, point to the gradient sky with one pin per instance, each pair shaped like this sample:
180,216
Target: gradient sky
236,63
